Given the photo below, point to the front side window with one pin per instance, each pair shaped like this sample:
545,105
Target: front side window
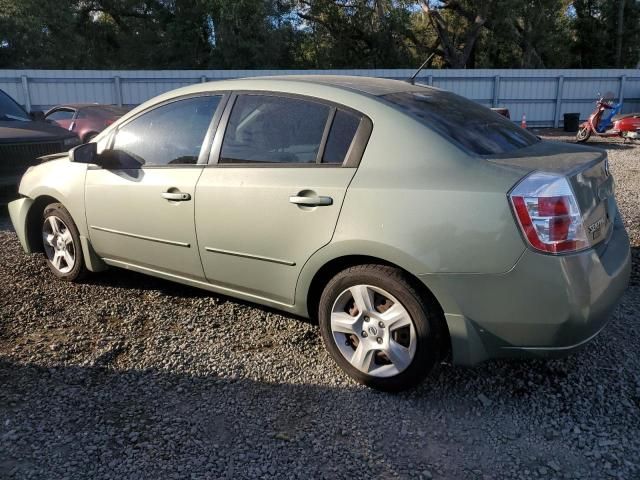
171,134
470,125
271,129
61,115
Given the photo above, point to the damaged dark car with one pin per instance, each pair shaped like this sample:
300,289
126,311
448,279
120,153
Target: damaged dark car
24,138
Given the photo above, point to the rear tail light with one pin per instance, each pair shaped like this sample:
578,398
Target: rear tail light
548,213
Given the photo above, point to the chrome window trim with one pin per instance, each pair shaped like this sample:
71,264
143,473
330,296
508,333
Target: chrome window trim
352,159
210,133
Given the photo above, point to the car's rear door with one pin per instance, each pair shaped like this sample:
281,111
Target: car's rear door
140,209
272,194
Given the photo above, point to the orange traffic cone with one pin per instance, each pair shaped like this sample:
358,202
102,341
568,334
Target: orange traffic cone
523,123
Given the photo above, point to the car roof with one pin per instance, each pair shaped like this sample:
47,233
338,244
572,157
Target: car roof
367,85
78,106
361,93
361,86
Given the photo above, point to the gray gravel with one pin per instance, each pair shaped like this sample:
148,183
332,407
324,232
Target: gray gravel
126,376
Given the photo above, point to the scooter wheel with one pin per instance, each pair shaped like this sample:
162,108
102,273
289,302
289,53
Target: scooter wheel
583,134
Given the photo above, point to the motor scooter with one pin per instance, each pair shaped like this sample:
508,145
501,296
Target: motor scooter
606,121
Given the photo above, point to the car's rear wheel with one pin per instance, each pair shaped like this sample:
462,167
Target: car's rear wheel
379,328
61,241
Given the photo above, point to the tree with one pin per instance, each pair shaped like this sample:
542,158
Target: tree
601,27
318,33
458,26
533,34
359,33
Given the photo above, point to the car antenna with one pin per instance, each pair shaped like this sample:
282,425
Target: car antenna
412,79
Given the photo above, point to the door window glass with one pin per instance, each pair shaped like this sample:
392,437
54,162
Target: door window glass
274,129
343,129
168,135
61,115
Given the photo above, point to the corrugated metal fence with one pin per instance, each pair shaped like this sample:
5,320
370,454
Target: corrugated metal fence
543,95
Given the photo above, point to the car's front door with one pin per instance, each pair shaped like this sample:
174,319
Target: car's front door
140,206
272,195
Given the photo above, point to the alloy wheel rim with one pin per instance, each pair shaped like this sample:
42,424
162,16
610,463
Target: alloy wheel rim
58,244
373,331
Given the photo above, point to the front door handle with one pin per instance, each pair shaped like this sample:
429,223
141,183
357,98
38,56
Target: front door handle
311,201
176,196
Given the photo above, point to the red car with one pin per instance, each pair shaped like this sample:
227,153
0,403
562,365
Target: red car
86,120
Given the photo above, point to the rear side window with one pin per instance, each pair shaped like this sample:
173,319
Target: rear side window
271,129
171,134
466,123
343,130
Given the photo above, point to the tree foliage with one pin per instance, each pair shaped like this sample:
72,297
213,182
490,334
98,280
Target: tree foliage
319,33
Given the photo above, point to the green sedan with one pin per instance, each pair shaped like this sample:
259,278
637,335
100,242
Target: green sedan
410,222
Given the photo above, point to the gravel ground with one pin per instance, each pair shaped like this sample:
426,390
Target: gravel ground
126,376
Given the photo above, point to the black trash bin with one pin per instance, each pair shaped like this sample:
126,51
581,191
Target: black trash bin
571,122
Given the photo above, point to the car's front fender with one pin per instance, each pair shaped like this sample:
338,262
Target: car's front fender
18,212
60,180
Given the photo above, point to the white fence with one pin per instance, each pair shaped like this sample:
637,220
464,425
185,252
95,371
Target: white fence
543,95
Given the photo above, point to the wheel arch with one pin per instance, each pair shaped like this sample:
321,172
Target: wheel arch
333,266
34,219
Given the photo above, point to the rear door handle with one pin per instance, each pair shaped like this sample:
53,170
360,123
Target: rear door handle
176,196
311,201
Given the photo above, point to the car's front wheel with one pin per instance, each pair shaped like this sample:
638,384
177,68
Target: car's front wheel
379,328
61,241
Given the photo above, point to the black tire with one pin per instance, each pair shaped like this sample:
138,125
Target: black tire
65,223
583,134
426,315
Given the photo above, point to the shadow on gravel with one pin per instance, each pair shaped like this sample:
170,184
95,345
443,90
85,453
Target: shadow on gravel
635,267
128,280
97,422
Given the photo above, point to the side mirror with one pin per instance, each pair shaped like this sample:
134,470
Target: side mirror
37,116
87,153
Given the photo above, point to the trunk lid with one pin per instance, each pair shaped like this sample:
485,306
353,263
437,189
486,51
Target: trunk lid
587,170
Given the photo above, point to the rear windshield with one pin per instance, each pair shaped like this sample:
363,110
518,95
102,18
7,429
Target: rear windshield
475,128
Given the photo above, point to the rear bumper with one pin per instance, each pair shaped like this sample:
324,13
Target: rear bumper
545,306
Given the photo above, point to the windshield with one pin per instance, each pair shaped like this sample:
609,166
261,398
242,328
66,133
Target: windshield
473,127
10,110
